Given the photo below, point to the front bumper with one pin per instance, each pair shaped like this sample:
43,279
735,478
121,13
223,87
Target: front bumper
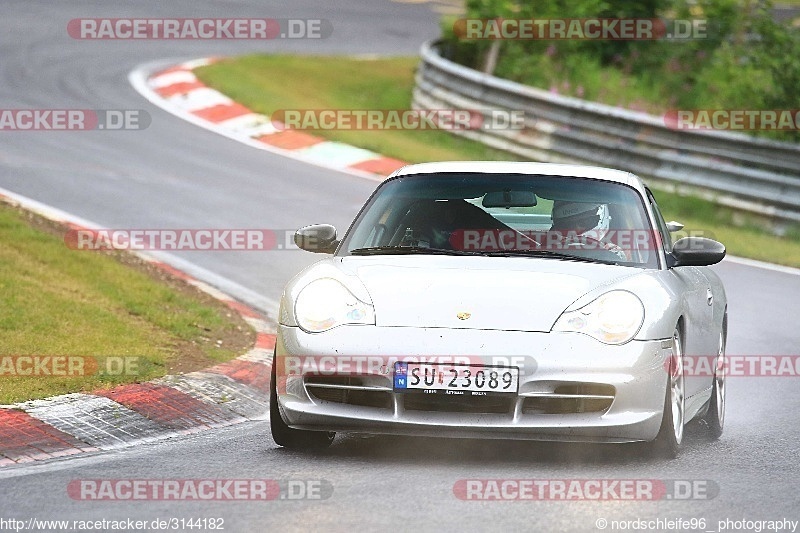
634,373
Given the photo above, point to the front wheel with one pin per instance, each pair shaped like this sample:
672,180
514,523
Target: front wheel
670,434
283,435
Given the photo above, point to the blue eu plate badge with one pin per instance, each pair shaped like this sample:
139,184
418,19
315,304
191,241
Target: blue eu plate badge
400,375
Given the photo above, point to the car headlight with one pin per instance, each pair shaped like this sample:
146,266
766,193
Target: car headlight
613,318
326,303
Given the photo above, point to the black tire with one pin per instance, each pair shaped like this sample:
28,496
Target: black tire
283,435
670,435
715,416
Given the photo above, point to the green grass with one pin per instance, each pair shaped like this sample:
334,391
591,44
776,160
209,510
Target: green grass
266,83
742,233
57,301
269,83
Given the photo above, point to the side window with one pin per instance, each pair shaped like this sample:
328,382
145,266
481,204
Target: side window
666,238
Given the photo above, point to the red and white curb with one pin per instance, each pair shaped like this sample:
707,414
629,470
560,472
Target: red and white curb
223,395
178,91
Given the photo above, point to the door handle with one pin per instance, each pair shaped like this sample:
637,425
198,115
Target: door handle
709,296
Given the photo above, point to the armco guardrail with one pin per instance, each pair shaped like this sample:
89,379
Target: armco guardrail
758,175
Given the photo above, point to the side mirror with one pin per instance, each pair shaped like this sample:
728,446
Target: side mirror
673,226
696,251
317,238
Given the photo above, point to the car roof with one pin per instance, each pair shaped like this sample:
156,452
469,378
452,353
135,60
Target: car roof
512,167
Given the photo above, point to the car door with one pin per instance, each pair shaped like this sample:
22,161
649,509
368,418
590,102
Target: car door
696,304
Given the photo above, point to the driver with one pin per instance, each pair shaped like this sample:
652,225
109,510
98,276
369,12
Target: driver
584,224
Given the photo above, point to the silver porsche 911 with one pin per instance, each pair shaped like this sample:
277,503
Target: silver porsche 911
502,300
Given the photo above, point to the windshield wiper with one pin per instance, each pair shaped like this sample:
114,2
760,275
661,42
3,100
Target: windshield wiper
421,250
547,253
389,250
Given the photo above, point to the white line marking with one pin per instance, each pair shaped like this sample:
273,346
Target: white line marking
248,122
763,264
197,99
256,300
197,63
172,78
248,296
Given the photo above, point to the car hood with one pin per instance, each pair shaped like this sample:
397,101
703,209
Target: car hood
500,293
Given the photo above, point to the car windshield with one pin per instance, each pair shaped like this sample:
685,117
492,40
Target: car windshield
556,217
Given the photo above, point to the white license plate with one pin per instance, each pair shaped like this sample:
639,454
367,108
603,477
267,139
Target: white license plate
449,378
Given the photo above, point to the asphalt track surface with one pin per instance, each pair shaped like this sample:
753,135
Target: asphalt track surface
176,175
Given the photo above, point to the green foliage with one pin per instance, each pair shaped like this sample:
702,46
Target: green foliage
746,60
